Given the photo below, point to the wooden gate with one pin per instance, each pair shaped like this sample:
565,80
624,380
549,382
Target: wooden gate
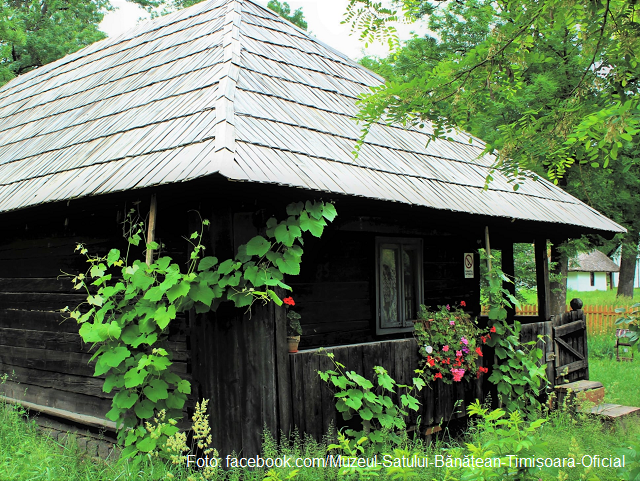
570,347
564,345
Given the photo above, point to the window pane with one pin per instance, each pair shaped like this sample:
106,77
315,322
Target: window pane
409,261
389,286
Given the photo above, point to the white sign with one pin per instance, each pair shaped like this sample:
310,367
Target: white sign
468,265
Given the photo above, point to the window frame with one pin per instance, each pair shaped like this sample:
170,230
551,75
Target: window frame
417,244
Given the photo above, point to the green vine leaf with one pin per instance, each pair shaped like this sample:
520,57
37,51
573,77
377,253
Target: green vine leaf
207,263
258,246
156,390
125,399
144,409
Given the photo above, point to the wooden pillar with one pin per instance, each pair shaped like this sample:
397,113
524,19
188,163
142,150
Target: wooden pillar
542,277
508,267
151,230
558,289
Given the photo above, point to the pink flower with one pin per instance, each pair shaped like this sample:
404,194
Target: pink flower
452,323
448,308
458,353
464,341
445,348
457,374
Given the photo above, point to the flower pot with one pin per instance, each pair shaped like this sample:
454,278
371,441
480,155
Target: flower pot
293,342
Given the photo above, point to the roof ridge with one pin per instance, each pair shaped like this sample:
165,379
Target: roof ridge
225,131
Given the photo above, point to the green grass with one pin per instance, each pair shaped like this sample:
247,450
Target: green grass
25,454
600,298
620,379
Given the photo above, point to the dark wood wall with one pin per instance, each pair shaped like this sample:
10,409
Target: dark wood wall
335,292
42,353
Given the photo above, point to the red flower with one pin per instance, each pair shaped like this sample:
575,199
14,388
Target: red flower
289,301
493,329
463,304
482,370
431,361
479,351
484,339
438,375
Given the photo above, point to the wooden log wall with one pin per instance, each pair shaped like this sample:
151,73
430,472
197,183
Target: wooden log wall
313,404
335,292
42,353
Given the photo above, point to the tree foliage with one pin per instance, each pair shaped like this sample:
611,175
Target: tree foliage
34,33
561,78
284,10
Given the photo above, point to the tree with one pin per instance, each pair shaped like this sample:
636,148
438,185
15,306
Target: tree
35,33
284,10
568,69
515,106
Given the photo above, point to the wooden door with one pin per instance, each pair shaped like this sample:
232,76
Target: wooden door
570,347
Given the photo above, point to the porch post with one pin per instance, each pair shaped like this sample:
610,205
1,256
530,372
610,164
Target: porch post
508,267
542,277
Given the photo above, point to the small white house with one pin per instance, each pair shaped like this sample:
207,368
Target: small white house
591,272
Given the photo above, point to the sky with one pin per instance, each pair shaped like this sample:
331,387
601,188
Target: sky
323,18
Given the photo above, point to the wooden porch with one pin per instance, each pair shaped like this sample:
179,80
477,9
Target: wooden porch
313,402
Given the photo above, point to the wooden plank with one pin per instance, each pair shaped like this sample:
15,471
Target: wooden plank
55,398
542,277
151,228
90,386
282,371
508,267
571,367
36,284
83,419
36,320
565,329
569,348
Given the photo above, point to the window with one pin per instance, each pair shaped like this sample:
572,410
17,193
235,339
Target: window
399,283
592,278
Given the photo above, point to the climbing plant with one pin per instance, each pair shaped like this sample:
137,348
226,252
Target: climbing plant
517,374
130,306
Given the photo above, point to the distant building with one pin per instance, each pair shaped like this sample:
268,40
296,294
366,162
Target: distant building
591,271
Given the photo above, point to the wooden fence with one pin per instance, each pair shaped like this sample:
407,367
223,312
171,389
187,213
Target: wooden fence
600,319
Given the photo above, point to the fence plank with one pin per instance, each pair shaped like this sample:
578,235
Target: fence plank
600,319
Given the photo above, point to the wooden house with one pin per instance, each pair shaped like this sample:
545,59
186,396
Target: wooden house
226,109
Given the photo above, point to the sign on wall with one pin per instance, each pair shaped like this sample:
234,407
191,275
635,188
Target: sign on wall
468,265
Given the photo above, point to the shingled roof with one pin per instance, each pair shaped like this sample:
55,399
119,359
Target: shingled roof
229,87
594,261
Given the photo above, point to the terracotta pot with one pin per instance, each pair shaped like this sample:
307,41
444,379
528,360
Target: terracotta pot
293,342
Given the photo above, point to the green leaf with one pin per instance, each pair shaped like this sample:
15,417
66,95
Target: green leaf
207,263
258,246
295,209
201,293
125,399
113,357
274,297
154,294
113,380
288,265
314,208
315,226
284,236
184,386
134,377
180,289
366,414
329,212
144,409
156,390
176,400
164,315
113,256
